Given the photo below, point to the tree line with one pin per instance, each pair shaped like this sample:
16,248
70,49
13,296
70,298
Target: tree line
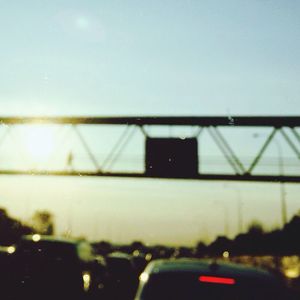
11,229
256,241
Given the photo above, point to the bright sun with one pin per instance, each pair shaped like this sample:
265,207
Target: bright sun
39,142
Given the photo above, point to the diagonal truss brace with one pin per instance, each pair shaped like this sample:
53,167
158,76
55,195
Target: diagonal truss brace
121,146
227,151
261,151
86,147
230,151
296,134
290,142
222,149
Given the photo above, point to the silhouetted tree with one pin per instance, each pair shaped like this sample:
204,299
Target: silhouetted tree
220,245
137,245
11,229
255,228
43,222
258,242
200,250
291,236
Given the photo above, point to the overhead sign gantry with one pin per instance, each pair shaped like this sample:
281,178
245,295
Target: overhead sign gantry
171,157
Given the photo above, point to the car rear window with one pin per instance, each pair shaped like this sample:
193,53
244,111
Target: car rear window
187,286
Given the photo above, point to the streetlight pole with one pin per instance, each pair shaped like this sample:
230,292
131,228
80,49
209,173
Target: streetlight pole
282,186
239,209
226,227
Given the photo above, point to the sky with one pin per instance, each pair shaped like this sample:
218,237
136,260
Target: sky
107,58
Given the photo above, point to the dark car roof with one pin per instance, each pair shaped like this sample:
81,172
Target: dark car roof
208,267
50,239
193,279
56,246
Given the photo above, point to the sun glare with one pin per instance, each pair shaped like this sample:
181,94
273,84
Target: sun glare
39,142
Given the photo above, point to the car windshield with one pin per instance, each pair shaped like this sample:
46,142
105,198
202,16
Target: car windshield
144,130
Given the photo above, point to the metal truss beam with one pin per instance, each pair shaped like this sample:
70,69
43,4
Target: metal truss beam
260,121
285,125
214,177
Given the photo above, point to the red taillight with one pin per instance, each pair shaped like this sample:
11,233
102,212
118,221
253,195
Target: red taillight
218,280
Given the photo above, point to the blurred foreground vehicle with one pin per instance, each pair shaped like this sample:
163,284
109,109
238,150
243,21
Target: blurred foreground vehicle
121,281
6,254
201,279
45,267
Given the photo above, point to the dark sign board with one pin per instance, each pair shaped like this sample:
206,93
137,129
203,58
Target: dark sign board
171,157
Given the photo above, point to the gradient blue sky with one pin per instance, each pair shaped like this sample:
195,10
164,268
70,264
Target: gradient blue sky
142,57
147,58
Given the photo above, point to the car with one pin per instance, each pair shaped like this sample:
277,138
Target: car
192,279
6,254
121,277
45,266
